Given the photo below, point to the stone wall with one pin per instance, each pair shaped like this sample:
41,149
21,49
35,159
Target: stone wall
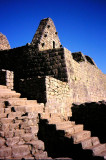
86,81
7,78
18,131
93,116
58,96
28,62
46,36
4,44
45,89
45,57
33,88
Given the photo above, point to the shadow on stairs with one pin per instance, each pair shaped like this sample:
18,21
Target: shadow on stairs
58,145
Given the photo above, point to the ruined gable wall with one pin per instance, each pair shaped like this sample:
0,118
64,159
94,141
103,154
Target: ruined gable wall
4,44
86,81
46,36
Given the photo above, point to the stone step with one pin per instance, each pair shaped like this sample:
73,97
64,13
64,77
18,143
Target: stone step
73,129
7,90
89,142
22,102
53,115
15,114
72,122
8,95
102,154
45,115
54,120
15,99
22,108
18,98
97,148
64,125
77,137
3,87
6,120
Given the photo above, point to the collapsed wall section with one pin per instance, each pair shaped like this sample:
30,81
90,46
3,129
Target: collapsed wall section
86,81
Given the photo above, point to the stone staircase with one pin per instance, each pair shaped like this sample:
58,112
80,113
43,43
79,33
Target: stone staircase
80,136
19,120
19,127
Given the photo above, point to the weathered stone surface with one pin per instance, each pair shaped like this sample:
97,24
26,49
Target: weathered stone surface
4,44
19,132
2,142
44,71
12,141
42,155
46,36
8,134
5,152
20,151
38,144
7,78
27,137
1,134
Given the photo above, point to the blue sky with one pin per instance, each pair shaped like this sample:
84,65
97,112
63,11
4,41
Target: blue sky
81,24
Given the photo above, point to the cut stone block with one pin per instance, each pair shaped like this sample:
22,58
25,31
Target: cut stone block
73,129
27,137
20,151
19,132
5,152
90,142
2,142
12,141
81,136
38,144
42,155
8,134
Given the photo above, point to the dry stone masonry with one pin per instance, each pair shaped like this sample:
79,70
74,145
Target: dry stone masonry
19,127
46,36
52,78
7,78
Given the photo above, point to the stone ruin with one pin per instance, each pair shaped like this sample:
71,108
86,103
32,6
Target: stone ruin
4,44
51,78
